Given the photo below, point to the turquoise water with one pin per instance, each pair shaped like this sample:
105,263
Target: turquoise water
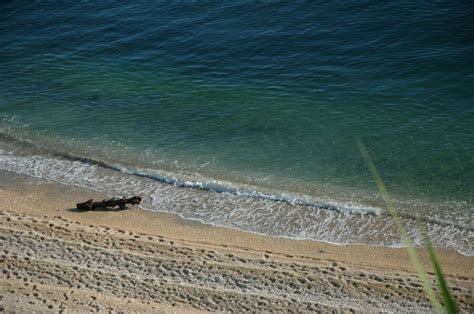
260,100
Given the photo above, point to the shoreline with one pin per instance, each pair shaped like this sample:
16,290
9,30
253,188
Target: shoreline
266,215
322,242
388,267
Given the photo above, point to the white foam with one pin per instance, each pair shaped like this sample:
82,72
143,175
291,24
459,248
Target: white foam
239,207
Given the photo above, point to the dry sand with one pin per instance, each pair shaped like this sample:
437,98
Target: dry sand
57,259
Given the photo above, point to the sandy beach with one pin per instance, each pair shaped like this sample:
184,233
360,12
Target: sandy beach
56,259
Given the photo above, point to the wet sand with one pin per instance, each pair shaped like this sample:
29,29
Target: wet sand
55,258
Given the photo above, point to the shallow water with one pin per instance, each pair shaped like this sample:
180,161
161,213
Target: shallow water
262,103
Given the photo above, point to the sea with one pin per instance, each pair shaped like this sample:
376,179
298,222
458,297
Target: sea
248,114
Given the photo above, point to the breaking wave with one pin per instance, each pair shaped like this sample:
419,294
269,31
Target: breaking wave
225,204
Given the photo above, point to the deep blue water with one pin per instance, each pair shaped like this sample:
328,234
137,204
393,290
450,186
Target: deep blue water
263,97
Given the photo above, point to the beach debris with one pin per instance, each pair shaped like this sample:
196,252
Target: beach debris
109,204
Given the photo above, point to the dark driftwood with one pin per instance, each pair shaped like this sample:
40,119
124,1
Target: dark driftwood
120,202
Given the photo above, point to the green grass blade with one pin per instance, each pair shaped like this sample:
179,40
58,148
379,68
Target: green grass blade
449,302
415,260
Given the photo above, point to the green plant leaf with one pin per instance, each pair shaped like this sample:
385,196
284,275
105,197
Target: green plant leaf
449,302
414,258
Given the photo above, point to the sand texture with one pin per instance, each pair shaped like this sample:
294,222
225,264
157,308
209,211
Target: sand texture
57,259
